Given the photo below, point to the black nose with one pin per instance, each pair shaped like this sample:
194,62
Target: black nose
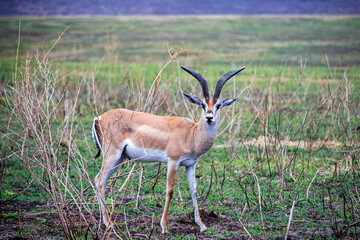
209,116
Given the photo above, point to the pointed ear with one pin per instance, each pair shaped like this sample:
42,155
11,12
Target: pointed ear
228,102
193,99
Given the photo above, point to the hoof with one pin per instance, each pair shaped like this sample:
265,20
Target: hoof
163,228
203,229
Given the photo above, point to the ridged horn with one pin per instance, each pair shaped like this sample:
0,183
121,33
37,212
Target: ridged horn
223,80
201,80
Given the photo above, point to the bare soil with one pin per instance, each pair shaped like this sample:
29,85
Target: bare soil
43,224
25,224
39,221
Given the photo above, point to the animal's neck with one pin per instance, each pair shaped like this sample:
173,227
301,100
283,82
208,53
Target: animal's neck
205,135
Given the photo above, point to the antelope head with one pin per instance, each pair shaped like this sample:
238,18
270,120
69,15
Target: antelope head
211,106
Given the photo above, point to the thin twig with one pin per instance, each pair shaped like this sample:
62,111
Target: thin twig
259,199
138,194
308,189
247,232
290,218
17,50
49,51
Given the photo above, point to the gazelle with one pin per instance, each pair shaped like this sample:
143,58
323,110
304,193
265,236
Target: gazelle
177,141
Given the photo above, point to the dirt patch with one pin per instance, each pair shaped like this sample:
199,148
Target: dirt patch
38,221
19,221
184,225
35,220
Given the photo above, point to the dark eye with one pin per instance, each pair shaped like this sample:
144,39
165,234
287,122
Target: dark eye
203,106
217,106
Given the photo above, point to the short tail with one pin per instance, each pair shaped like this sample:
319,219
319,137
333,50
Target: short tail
95,132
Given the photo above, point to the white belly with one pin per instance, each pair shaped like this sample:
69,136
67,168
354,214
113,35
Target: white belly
144,154
187,161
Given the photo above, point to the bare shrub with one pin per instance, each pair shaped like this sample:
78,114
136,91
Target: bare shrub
41,135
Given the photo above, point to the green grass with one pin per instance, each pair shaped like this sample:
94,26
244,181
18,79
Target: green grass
209,40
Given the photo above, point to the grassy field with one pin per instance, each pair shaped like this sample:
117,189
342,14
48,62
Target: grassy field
286,159
208,40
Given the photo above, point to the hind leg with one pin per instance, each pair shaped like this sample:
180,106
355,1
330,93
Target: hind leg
111,162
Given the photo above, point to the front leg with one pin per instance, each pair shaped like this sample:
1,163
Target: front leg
171,174
190,174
